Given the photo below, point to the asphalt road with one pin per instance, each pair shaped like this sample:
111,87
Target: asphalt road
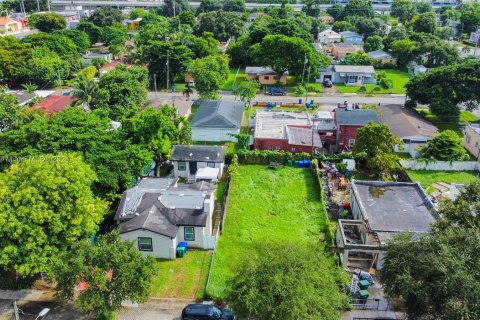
328,103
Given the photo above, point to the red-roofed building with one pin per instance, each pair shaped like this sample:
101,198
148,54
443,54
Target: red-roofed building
55,104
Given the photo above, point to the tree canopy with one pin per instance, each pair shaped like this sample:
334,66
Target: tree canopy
106,273
47,22
442,94
287,281
446,146
105,16
47,206
210,73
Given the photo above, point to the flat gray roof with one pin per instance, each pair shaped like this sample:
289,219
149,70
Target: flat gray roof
394,206
273,124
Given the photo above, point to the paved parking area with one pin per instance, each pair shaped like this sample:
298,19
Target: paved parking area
30,309
154,309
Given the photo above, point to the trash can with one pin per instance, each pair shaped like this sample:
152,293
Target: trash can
290,163
296,164
174,89
181,252
300,101
364,294
184,245
307,105
363,284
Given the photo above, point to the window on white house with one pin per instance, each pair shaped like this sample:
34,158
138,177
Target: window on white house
182,166
211,164
145,244
351,142
189,233
277,148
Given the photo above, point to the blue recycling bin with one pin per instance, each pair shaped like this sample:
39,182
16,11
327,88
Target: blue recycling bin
183,244
300,101
308,105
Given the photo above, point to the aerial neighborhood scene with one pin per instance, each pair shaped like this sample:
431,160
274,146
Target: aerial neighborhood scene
237,159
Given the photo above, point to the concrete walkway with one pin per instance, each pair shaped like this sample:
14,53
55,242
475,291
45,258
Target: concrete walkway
27,295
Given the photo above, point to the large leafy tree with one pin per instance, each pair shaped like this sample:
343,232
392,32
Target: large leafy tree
46,67
85,90
437,53
105,16
283,54
359,58
247,90
116,161
14,57
47,22
287,281
156,54
47,206
114,36
376,141
80,39
358,8
123,91
470,19
210,73
396,33
421,270
403,51
373,43
203,46
222,24
106,273
93,31
426,22
446,146
443,95
10,111
402,9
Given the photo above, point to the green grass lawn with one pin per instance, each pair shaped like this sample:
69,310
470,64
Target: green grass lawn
231,82
465,116
399,78
427,178
183,278
281,205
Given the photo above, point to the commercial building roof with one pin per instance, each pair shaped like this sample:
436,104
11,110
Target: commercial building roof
405,123
393,206
358,117
155,204
273,124
219,114
198,153
55,104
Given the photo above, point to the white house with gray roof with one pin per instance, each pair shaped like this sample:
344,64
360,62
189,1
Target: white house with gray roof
215,120
198,162
157,214
347,74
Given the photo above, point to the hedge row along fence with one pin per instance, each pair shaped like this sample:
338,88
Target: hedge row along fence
267,156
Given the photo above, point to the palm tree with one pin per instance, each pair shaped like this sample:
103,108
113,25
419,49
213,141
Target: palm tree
85,91
29,87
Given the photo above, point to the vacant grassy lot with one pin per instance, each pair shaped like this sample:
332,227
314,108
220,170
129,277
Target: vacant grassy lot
281,204
399,79
427,178
231,82
183,278
442,125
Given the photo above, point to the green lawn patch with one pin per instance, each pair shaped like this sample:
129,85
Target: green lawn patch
180,86
182,278
231,82
398,77
281,205
427,178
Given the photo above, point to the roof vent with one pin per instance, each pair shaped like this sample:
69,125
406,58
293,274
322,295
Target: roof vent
137,214
218,154
128,199
208,158
191,154
151,211
159,198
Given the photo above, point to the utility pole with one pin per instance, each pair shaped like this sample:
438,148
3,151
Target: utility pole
168,68
174,8
313,131
306,87
304,64
155,83
38,6
476,45
15,310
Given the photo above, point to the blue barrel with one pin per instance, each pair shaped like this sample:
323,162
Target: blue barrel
308,163
183,245
300,101
269,105
308,105
300,164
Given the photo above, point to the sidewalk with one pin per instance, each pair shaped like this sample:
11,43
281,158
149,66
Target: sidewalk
27,295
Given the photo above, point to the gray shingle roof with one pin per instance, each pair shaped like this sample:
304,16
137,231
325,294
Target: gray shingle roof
155,205
405,123
218,114
198,153
349,34
355,117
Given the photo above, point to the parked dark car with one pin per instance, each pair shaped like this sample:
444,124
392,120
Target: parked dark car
198,311
276,91
327,83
